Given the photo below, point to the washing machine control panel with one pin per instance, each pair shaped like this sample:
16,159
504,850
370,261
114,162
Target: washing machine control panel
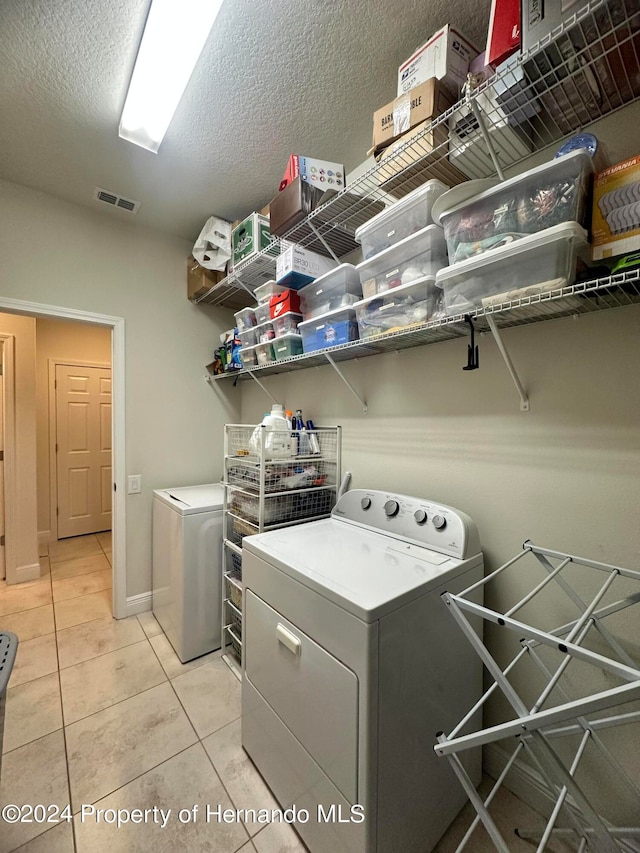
415,520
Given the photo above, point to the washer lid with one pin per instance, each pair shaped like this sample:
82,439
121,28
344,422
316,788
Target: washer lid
367,573
192,499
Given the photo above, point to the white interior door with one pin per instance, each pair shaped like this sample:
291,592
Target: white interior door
83,449
3,571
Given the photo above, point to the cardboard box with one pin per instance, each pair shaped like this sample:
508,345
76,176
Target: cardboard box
503,37
297,266
249,237
424,102
291,205
446,55
615,223
404,170
199,279
320,173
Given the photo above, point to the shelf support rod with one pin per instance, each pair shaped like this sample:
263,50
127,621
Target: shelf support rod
487,138
362,402
255,379
324,242
524,399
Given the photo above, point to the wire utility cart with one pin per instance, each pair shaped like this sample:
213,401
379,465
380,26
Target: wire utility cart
271,480
562,727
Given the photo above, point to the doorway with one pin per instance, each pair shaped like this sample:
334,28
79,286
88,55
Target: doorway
115,325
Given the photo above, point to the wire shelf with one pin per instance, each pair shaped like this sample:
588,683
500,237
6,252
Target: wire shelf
614,291
585,70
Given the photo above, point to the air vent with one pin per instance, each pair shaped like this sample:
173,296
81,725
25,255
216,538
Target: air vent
115,200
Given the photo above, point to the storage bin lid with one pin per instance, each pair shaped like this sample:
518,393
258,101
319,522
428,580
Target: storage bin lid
345,274
286,314
245,312
410,289
572,163
427,192
564,232
429,238
287,336
330,315
266,290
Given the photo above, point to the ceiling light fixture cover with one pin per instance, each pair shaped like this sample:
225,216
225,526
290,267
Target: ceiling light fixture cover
173,38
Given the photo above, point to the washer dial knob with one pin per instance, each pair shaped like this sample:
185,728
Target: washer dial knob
365,503
391,508
439,522
420,516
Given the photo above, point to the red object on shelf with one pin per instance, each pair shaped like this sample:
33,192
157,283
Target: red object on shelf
281,303
503,37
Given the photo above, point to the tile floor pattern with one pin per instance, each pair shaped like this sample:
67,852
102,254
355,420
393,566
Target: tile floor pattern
101,712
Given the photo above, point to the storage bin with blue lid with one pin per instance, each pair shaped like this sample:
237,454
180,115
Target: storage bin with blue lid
412,213
329,330
338,288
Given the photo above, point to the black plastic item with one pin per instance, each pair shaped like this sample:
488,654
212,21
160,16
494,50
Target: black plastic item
473,358
8,649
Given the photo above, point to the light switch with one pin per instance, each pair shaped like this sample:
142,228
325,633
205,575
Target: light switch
134,484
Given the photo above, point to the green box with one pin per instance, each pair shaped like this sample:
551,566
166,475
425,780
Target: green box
251,236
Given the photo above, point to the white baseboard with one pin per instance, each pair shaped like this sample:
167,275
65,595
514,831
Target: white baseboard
139,603
44,537
522,780
27,573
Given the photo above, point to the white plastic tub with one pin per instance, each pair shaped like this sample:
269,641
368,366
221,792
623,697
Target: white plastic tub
262,312
245,319
547,259
249,337
423,253
248,356
339,288
264,332
267,290
405,217
264,353
399,308
548,195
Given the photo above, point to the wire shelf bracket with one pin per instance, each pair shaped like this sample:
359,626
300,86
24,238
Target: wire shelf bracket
360,399
535,727
524,399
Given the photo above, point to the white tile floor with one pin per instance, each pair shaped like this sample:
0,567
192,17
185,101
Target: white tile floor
102,712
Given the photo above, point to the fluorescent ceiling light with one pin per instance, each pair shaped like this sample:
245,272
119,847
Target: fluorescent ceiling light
173,38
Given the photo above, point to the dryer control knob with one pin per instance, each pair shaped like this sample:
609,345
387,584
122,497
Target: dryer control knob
439,522
391,508
420,516
365,503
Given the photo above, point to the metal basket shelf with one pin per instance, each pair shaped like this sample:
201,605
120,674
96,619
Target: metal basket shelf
587,69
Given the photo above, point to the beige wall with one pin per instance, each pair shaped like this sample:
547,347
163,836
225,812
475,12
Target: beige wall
105,264
60,340
21,501
566,474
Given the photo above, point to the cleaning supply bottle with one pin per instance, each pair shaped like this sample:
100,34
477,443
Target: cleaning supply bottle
313,438
277,434
294,435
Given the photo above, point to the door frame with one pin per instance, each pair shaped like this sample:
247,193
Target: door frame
9,425
118,458
53,435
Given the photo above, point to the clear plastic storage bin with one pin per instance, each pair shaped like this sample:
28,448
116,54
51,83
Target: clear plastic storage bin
399,308
339,288
538,199
288,345
248,356
249,337
265,353
547,260
286,323
267,290
245,319
405,217
265,332
336,327
262,312
423,253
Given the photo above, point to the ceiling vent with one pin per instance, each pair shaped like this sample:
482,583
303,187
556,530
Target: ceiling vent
115,200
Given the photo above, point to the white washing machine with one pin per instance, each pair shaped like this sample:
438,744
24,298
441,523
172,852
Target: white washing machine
187,567
353,664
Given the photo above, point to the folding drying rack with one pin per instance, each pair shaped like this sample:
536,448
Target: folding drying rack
8,649
536,728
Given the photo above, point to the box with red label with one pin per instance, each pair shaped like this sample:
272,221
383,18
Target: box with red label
320,173
282,303
503,37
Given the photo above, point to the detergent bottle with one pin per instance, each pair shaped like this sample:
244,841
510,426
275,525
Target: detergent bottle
277,439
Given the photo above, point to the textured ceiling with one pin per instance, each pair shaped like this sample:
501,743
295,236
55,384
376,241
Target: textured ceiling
275,78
